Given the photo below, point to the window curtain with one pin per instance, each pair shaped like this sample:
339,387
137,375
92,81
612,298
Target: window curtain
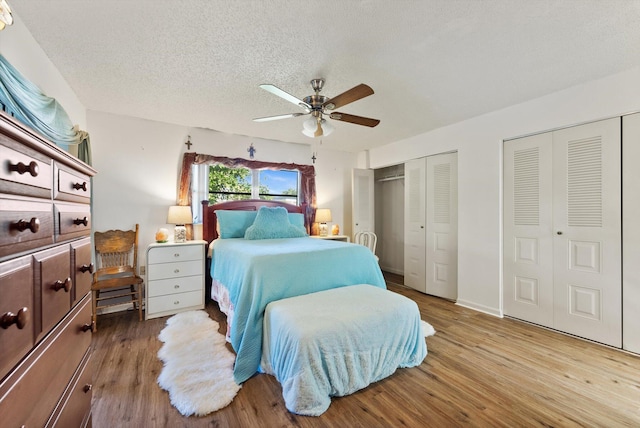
307,178
26,102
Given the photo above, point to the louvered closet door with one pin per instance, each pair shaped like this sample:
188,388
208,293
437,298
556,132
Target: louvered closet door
528,243
562,230
587,231
414,225
442,225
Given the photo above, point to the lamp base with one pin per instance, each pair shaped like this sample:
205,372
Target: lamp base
324,229
180,234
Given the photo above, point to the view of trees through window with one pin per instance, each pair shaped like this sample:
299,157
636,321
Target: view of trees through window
232,184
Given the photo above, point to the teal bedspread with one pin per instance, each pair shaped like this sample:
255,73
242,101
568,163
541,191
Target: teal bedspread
262,271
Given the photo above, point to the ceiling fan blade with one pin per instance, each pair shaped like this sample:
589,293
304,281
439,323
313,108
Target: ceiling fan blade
358,120
318,132
353,94
281,116
286,96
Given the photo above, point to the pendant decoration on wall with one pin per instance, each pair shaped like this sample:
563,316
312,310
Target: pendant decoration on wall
252,151
188,143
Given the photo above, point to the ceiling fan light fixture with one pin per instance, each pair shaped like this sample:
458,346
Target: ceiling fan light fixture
310,124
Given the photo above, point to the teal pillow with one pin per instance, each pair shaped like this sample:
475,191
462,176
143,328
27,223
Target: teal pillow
296,219
273,223
234,224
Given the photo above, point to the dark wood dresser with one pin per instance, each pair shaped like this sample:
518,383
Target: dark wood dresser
45,282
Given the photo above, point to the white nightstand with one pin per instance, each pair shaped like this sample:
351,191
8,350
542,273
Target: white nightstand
343,238
175,278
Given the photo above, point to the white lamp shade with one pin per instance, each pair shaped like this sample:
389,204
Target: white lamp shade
310,125
323,215
179,215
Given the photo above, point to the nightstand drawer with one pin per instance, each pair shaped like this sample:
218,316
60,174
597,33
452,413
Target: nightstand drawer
174,302
174,253
174,270
163,287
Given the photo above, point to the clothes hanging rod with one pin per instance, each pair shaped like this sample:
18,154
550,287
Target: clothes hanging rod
395,177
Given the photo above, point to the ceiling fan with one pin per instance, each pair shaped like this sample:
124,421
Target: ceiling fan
319,106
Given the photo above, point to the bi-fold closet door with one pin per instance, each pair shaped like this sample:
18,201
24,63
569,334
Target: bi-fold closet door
431,225
562,230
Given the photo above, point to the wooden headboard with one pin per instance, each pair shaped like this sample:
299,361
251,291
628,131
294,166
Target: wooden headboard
209,232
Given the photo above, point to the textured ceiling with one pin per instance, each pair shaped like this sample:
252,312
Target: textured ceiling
431,63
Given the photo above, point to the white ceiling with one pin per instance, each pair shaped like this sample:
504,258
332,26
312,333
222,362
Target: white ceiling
431,63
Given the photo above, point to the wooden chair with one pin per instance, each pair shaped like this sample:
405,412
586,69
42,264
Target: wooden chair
116,270
368,239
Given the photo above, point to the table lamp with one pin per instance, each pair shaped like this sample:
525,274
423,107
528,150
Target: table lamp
180,215
323,215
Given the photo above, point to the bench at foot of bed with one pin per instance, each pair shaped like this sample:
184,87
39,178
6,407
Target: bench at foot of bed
335,342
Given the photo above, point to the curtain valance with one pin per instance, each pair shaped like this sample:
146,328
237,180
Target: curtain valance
307,177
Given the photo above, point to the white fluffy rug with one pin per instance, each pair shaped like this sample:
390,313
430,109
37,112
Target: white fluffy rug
427,329
198,368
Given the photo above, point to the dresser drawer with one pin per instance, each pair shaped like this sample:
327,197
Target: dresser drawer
81,268
52,268
74,409
175,302
25,174
71,186
175,270
30,393
175,253
24,225
72,221
162,287
16,297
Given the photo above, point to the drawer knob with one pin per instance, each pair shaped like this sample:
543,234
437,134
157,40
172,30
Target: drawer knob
81,221
86,327
176,255
88,387
176,286
59,285
78,186
21,168
177,302
33,225
20,319
86,268
176,271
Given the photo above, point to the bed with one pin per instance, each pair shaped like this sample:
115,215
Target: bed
246,274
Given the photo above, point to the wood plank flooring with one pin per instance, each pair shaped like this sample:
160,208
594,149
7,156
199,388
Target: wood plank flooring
480,371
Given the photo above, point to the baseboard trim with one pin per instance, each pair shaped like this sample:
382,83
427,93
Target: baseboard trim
480,308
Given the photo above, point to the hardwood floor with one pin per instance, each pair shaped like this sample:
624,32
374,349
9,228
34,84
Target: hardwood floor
480,371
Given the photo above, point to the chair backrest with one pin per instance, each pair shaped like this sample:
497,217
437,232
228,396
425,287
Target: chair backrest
368,239
116,252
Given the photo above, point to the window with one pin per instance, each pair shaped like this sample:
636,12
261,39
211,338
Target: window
230,184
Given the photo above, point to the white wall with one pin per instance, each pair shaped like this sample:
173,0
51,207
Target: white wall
479,145
138,162
19,47
333,186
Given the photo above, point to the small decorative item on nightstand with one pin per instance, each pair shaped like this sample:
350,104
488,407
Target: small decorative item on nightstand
335,229
162,235
323,216
180,215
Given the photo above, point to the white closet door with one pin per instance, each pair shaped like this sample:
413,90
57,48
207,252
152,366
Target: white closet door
414,224
631,238
587,231
442,226
363,200
528,243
